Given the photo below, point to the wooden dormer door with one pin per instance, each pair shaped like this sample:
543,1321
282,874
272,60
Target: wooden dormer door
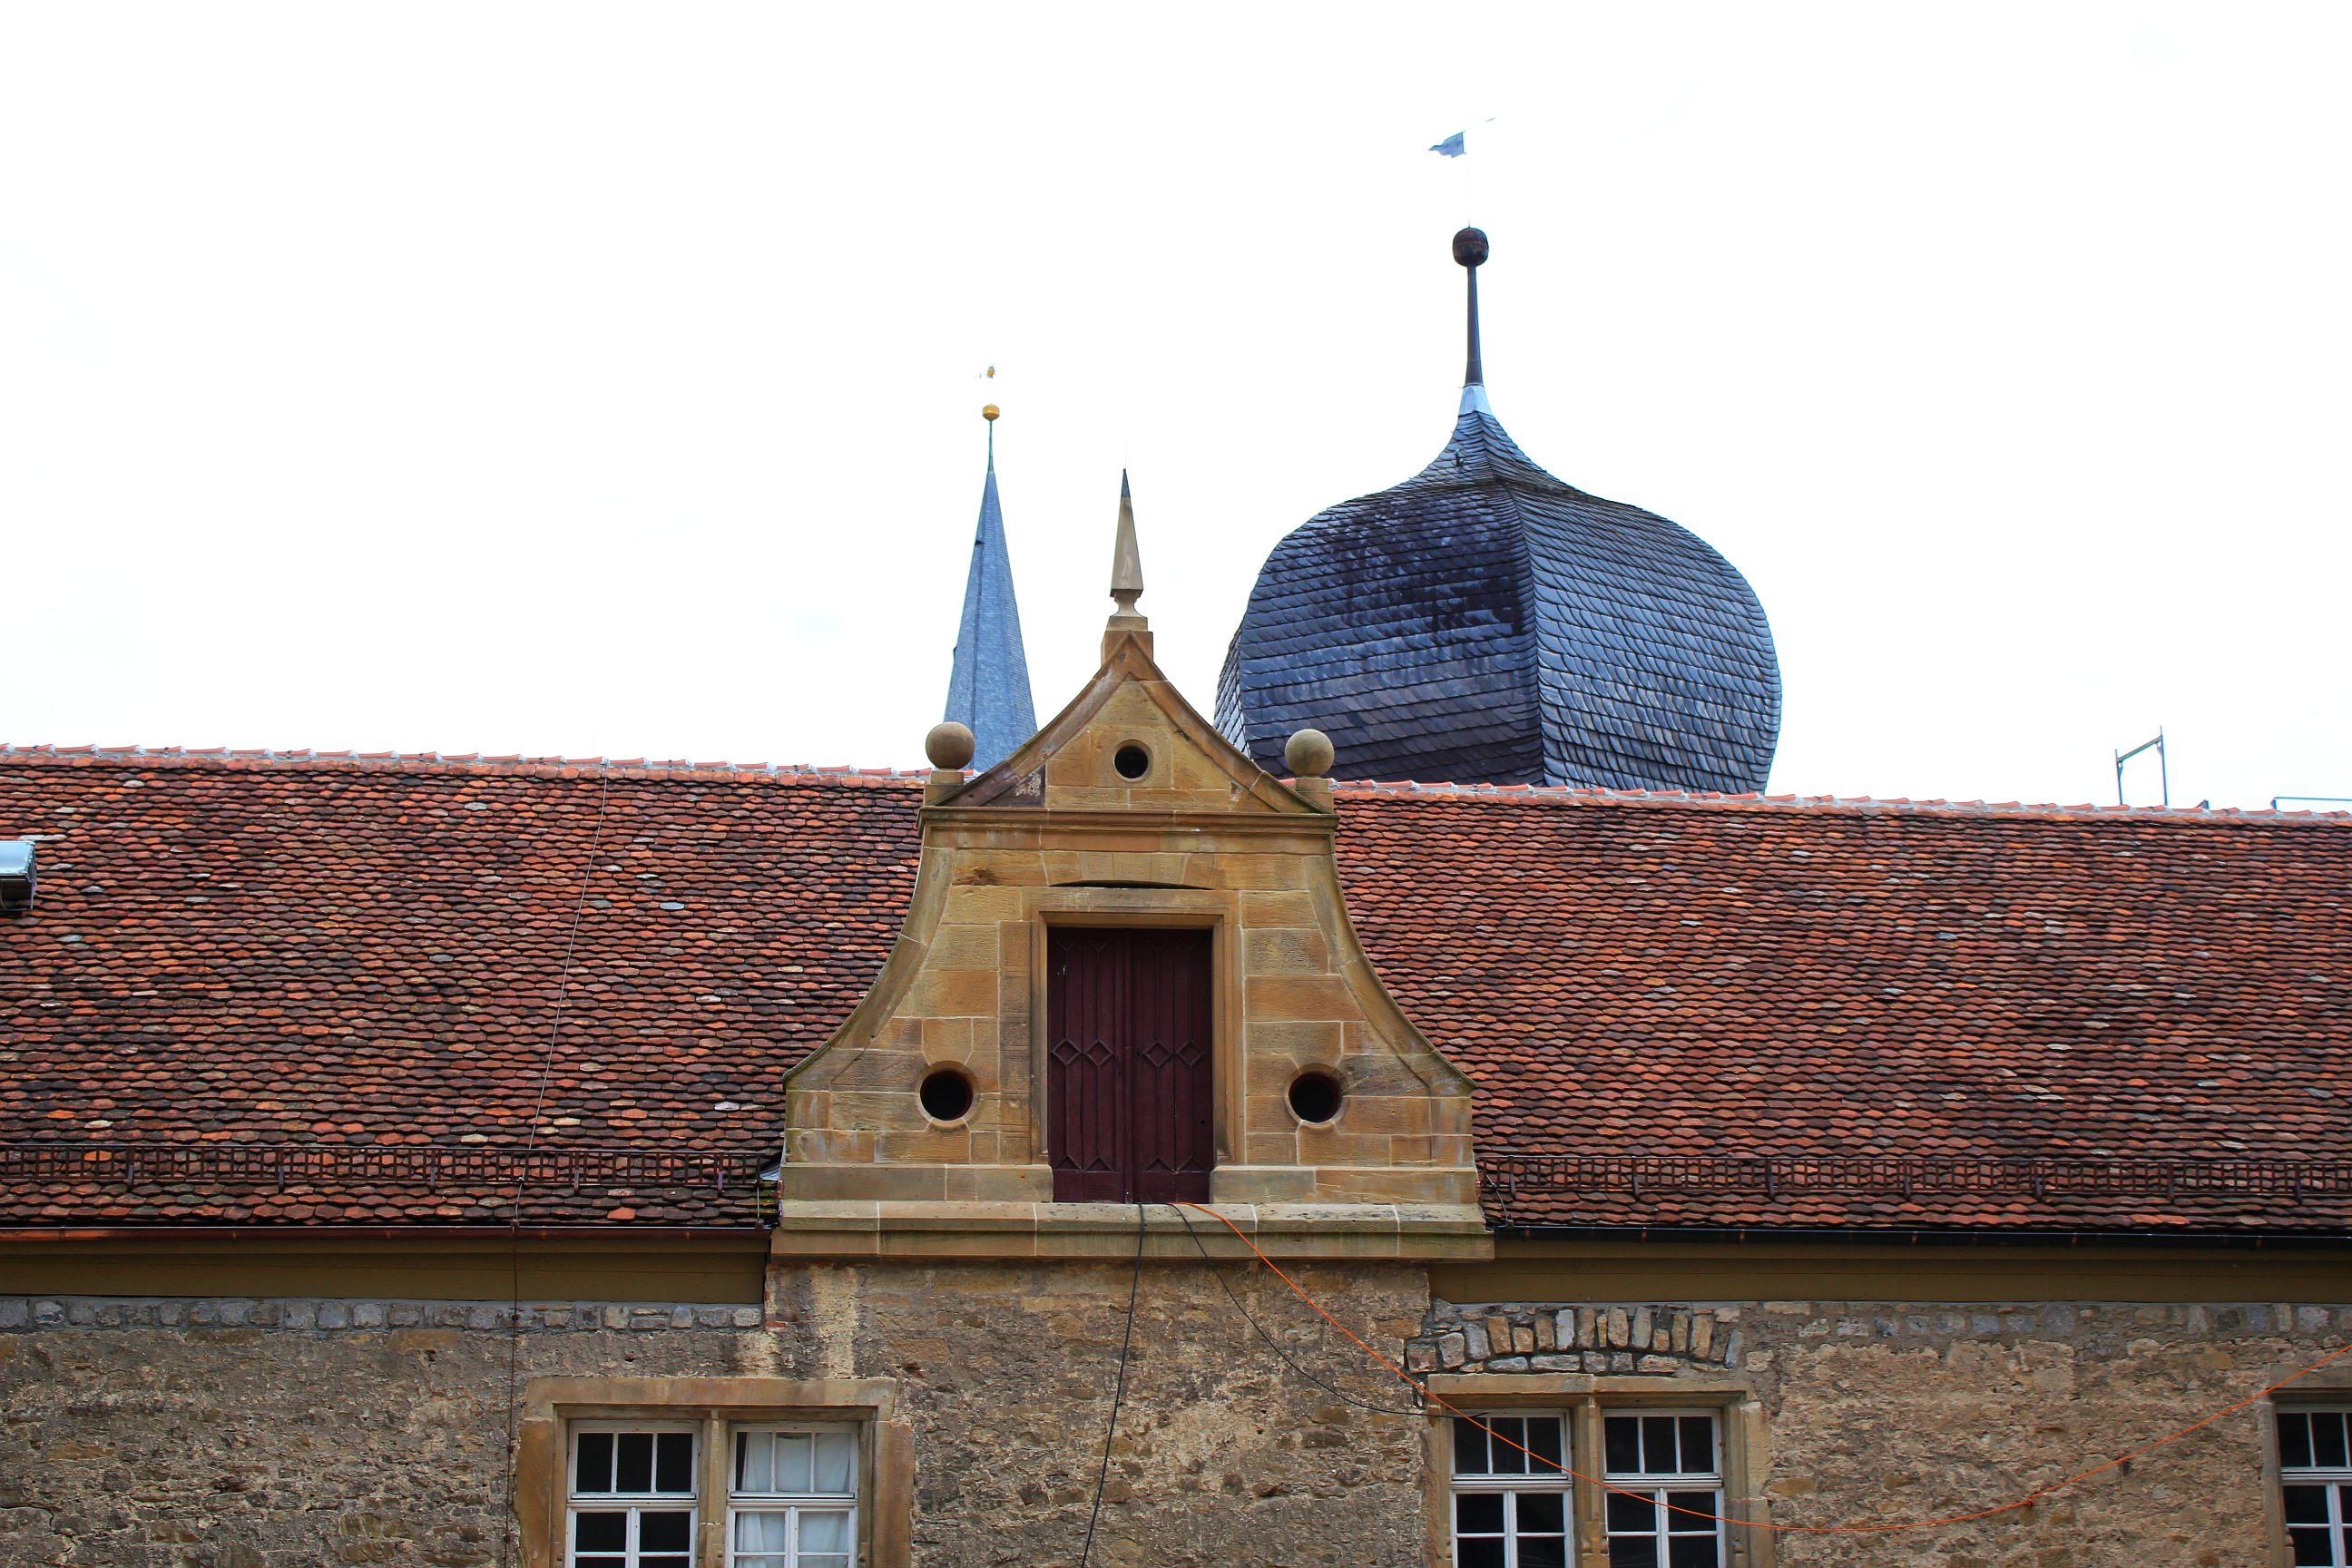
1131,1069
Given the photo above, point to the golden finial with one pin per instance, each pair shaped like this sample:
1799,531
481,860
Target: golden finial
988,412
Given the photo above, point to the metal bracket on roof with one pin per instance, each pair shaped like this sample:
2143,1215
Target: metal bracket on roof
16,876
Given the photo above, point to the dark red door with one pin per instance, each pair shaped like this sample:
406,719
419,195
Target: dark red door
1129,1074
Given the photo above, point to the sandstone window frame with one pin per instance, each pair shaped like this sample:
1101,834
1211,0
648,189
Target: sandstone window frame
2333,1480
716,1407
1151,907
1741,1430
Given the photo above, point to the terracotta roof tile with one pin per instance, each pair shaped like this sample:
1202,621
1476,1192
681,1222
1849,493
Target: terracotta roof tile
341,954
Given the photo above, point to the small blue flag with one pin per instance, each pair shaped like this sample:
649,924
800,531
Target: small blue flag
1451,147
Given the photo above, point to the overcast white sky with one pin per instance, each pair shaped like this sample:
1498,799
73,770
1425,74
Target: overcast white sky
605,380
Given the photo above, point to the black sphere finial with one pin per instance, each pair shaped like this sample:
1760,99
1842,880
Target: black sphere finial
1470,248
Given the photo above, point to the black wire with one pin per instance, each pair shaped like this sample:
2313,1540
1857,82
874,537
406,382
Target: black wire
1119,1389
1219,1275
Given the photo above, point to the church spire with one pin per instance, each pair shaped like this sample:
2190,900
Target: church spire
1470,250
989,690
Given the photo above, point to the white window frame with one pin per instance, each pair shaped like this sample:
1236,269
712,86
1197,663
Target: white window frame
634,1504
1658,1483
794,1503
1535,1478
2334,1480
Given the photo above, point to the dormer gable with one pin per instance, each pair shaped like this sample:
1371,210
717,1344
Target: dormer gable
1126,977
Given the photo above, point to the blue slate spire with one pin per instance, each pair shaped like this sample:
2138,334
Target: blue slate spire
989,690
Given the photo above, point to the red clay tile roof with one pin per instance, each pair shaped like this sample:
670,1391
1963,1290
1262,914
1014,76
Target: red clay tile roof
356,960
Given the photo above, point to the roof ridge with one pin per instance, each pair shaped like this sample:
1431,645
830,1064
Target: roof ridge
1711,800
265,757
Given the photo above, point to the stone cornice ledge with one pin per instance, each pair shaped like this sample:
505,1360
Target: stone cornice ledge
810,1229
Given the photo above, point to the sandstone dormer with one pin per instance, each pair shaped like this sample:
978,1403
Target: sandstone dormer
1126,977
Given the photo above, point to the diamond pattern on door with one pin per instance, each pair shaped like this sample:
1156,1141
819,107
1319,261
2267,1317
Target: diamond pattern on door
1131,1058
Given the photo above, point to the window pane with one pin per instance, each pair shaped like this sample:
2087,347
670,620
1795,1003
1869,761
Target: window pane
2311,1545
594,1472
792,1462
1541,1554
1543,1436
1475,1513
601,1531
755,1467
585,1561
1632,1513
1691,1552
824,1529
1469,1449
1657,1445
2306,1505
1699,1505
842,1562
1541,1512
2294,1439
1510,1434
1488,1553
1622,1444
665,1529
632,1461
674,1462
837,1461
1633,1551
1698,1445
763,1532
2327,1440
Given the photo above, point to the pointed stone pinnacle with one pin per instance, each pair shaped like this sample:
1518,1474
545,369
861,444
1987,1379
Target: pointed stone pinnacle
1126,561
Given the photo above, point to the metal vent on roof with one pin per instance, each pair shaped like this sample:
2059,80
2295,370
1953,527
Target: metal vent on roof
16,875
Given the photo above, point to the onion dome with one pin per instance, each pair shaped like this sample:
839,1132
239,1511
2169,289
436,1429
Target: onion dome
1485,622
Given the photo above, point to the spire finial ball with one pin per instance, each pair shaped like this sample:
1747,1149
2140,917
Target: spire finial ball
987,410
948,745
1470,248
1309,754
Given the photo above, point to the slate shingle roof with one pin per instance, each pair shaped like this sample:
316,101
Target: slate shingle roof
988,689
339,958
1486,621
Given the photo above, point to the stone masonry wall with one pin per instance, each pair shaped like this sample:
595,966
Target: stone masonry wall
1877,1412
291,1434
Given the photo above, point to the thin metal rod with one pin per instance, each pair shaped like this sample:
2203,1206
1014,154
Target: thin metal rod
1475,373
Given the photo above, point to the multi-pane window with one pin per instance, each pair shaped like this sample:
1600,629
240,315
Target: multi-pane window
632,1499
633,1494
1510,1491
1665,1470
2316,1473
791,1498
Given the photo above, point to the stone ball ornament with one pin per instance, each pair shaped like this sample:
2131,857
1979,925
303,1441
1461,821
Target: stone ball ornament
1309,754
948,745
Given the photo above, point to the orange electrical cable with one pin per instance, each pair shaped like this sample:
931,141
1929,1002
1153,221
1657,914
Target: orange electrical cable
2027,1501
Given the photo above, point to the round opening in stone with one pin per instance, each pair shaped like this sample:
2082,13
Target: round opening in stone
1315,1097
946,1095
1131,761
